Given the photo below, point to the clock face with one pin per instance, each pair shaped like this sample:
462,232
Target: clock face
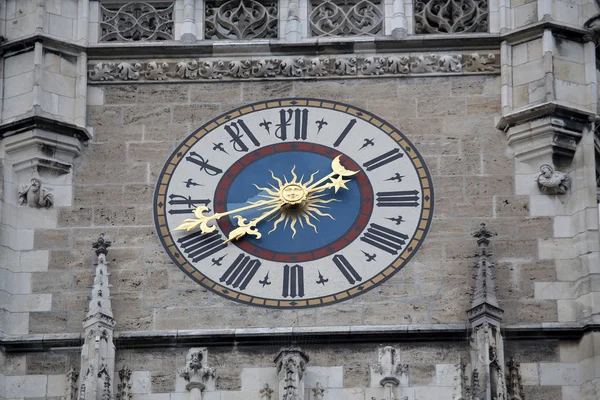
293,203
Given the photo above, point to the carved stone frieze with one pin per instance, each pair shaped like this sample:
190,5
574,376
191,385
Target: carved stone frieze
124,388
552,182
33,194
241,19
136,21
346,17
451,16
299,67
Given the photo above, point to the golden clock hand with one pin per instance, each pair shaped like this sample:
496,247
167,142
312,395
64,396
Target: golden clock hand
202,220
337,169
249,228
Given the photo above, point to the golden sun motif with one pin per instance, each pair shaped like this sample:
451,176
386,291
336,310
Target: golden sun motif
297,204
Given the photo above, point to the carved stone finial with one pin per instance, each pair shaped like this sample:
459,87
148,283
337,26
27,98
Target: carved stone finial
291,367
266,392
124,388
318,392
71,393
35,195
389,372
514,387
552,182
101,246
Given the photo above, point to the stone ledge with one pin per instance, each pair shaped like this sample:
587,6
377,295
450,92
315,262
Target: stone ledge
551,108
30,122
29,41
321,335
533,31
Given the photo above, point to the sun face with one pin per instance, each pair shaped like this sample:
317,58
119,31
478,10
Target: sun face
297,205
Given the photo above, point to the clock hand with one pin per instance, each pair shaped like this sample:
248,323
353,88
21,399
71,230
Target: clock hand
202,220
337,183
249,228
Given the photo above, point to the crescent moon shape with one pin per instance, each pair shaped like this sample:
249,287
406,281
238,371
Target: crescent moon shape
339,169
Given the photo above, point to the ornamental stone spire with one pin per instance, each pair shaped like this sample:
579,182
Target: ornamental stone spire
97,374
485,316
484,307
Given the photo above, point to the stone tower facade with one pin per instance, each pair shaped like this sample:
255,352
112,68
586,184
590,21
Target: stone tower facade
500,97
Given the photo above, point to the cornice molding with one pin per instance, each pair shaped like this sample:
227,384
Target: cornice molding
42,122
324,335
299,67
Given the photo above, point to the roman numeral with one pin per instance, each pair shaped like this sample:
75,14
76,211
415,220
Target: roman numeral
192,204
345,132
241,272
383,159
405,198
236,136
345,268
198,245
384,238
300,118
203,164
293,281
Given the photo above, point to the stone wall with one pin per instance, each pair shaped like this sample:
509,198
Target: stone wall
450,120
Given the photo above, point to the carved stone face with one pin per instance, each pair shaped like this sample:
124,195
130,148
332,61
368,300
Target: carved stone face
35,185
546,171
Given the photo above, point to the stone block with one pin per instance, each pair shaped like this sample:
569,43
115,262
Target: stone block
25,386
446,374
12,364
114,215
162,382
489,185
559,374
194,114
133,320
155,94
239,316
511,206
525,14
157,280
413,127
149,151
511,249
394,111
473,207
126,300
19,63
425,87
529,374
569,71
460,165
390,313
448,187
18,84
193,297
48,362
340,315
48,322
422,375
535,227
146,115
50,282
140,382
468,85
168,132
138,236
440,106
436,144
158,299
52,239
227,92
67,259
537,311
107,152
70,301
95,195
484,105
74,216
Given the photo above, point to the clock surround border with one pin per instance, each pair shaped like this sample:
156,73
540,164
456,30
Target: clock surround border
425,180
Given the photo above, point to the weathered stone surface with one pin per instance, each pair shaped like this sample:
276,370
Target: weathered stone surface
48,322
51,239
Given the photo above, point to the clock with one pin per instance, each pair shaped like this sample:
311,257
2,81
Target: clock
293,203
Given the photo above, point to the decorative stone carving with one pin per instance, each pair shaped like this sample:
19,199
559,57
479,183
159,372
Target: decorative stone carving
318,391
514,387
197,373
128,71
346,17
98,351
462,390
241,19
450,16
291,367
136,21
389,372
322,67
266,392
71,393
552,182
35,195
478,63
124,388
